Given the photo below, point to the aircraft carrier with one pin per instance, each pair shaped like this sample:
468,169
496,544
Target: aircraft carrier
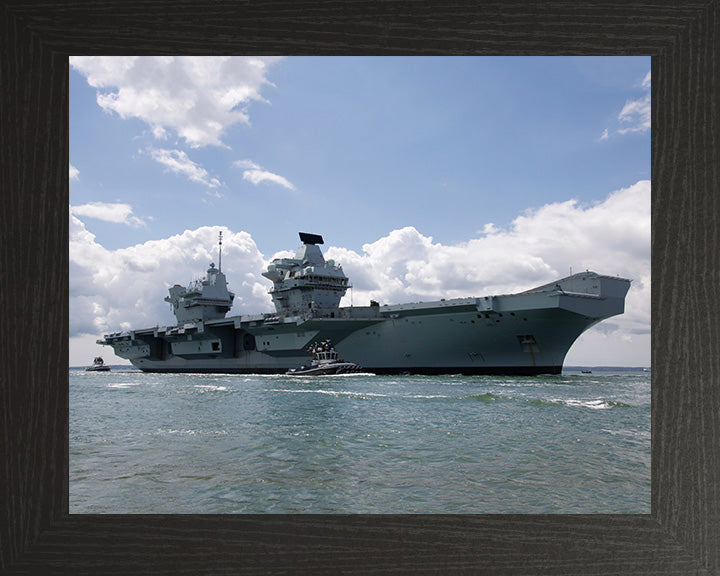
524,333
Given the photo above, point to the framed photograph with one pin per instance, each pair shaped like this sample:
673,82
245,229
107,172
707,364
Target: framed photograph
676,531
486,351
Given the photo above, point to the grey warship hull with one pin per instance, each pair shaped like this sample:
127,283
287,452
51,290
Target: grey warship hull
524,333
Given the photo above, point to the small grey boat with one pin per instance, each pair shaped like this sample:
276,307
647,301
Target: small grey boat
325,362
98,366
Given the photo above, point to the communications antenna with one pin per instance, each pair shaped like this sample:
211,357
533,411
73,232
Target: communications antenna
220,253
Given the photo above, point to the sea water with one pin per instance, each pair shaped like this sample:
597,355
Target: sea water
236,444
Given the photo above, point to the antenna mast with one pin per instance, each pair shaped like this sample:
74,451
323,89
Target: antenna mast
220,253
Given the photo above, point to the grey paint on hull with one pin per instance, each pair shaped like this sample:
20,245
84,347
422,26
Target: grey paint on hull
432,341
425,370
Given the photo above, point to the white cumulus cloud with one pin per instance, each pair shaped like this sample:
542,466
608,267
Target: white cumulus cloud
646,81
120,289
117,213
178,161
246,164
635,114
255,173
197,98
74,173
257,176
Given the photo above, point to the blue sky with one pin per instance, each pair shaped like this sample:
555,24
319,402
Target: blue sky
413,159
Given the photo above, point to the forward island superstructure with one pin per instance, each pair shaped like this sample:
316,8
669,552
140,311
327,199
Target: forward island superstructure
523,333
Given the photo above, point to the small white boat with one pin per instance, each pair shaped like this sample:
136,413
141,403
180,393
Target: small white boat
325,362
98,366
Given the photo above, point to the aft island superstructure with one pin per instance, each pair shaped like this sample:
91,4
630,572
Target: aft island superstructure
523,333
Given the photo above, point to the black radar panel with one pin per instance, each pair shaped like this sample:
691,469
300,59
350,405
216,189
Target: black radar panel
306,238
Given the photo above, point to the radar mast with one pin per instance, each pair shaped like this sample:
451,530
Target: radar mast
220,252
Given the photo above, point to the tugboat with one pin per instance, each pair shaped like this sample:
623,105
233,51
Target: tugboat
98,366
325,362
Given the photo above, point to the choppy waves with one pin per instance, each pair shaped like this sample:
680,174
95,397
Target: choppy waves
485,398
191,443
593,404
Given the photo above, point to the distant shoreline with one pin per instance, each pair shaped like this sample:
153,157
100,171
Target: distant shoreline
568,368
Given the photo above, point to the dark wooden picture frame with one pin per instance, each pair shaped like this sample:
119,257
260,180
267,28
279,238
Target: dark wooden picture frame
681,535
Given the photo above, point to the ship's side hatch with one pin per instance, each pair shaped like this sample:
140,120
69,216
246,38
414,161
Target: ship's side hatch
164,349
528,343
529,346
244,342
157,348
